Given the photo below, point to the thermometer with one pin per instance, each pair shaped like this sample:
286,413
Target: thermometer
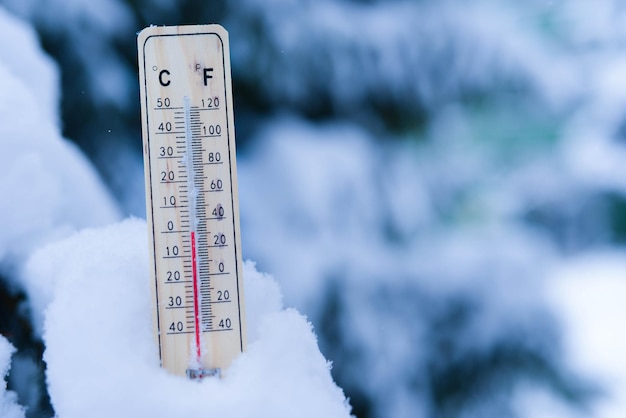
191,197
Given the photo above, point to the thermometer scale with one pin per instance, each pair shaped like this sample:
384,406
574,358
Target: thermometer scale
191,197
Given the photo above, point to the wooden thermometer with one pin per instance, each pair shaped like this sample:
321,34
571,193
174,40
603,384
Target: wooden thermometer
191,195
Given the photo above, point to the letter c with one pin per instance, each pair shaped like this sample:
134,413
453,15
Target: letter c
163,82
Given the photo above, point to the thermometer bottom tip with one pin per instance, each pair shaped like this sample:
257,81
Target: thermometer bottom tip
195,374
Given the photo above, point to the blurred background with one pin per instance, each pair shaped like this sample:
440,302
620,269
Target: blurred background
437,184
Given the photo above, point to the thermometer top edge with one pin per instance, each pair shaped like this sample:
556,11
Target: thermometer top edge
150,31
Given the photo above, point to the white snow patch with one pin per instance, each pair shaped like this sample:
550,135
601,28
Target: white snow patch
531,401
102,360
588,293
8,400
21,56
49,188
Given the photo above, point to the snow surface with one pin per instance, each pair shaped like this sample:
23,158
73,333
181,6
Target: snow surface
451,221
450,212
97,59
588,292
89,293
8,400
102,360
397,51
50,188
21,56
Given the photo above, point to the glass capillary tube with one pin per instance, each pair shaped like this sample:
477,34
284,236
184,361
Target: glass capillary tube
196,357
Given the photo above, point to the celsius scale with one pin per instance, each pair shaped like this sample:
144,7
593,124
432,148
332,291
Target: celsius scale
191,197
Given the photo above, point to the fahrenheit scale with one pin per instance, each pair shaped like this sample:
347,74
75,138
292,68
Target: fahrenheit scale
191,194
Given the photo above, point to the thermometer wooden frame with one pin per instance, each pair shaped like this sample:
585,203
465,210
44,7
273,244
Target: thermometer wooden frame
191,197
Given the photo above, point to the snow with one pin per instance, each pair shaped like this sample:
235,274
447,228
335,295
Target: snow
399,53
20,55
345,199
8,405
460,221
88,291
102,360
96,58
50,188
587,292
484,218
329,164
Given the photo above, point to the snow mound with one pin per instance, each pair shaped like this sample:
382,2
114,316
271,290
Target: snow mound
49,187
21,55
8,401
101,357
587,293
